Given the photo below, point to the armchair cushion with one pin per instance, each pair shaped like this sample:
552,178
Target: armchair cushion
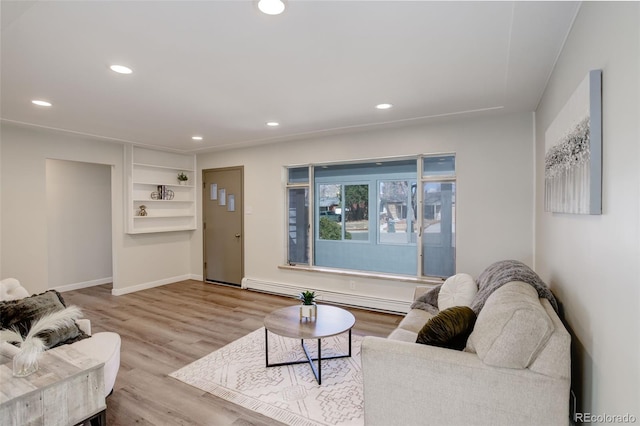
21,313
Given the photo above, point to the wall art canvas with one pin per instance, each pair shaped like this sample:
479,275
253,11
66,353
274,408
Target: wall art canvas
573,152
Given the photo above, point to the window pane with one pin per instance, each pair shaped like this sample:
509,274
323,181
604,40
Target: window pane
329,212
396,212
441,165
438,222
356,212
298,175
298,225
348,236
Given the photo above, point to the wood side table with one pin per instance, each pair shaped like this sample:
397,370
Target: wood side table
67,389
330,321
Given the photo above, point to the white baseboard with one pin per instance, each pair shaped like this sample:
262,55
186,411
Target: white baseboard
196,277
357,300
152,284
84,284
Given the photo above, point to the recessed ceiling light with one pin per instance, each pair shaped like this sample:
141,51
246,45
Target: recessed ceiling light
271,7
121,69
384,106
273,123
196,138
41,103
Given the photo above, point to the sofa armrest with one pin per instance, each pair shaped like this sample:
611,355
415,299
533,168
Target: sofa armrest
84,324
433,385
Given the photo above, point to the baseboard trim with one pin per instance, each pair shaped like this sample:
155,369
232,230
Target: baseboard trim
196,277
349,299
152,284
84,284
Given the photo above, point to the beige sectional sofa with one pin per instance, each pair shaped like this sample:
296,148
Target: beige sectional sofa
515,369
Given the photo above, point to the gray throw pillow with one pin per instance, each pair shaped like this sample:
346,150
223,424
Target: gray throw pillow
21,313
428,301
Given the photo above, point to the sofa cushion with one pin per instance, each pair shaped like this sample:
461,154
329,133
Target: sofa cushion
402,335
22,313
458,290
511,328
449,329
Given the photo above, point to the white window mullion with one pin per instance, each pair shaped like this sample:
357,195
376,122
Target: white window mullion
419,216
312,218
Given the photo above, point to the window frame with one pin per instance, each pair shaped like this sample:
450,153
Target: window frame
299,185
424,178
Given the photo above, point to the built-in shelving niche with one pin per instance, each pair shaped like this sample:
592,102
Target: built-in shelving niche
150,171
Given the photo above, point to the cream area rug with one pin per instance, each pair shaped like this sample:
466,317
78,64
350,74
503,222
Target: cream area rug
289,394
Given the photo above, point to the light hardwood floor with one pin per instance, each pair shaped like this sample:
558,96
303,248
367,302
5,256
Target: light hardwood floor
165,328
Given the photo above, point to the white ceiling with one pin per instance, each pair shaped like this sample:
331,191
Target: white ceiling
221,69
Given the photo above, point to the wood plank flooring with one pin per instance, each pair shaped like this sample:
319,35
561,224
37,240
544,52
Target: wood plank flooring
166,328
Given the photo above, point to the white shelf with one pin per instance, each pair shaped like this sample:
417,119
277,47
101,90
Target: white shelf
165,184
155,166
162,229
146,170
149,200
163,216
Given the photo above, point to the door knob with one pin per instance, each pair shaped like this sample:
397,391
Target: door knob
237,235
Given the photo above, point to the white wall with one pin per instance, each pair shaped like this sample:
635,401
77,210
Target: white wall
139,261
1,274
79,223
494,194
591,262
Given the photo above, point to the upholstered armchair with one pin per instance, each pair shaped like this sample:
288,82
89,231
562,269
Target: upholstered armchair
104,346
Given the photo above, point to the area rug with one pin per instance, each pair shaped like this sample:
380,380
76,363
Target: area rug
289,394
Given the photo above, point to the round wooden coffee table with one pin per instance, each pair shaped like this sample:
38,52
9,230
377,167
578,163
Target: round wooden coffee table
330,321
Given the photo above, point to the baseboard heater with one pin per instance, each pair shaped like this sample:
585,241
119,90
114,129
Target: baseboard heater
355,300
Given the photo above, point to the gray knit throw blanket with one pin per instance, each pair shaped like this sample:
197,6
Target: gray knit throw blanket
491,279
505,271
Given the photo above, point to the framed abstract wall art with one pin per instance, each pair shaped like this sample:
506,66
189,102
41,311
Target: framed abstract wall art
573,152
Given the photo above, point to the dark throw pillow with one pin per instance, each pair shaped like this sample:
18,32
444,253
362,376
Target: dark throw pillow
22,313
449,329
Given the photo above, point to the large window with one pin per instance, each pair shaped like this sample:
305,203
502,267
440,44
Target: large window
380,216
